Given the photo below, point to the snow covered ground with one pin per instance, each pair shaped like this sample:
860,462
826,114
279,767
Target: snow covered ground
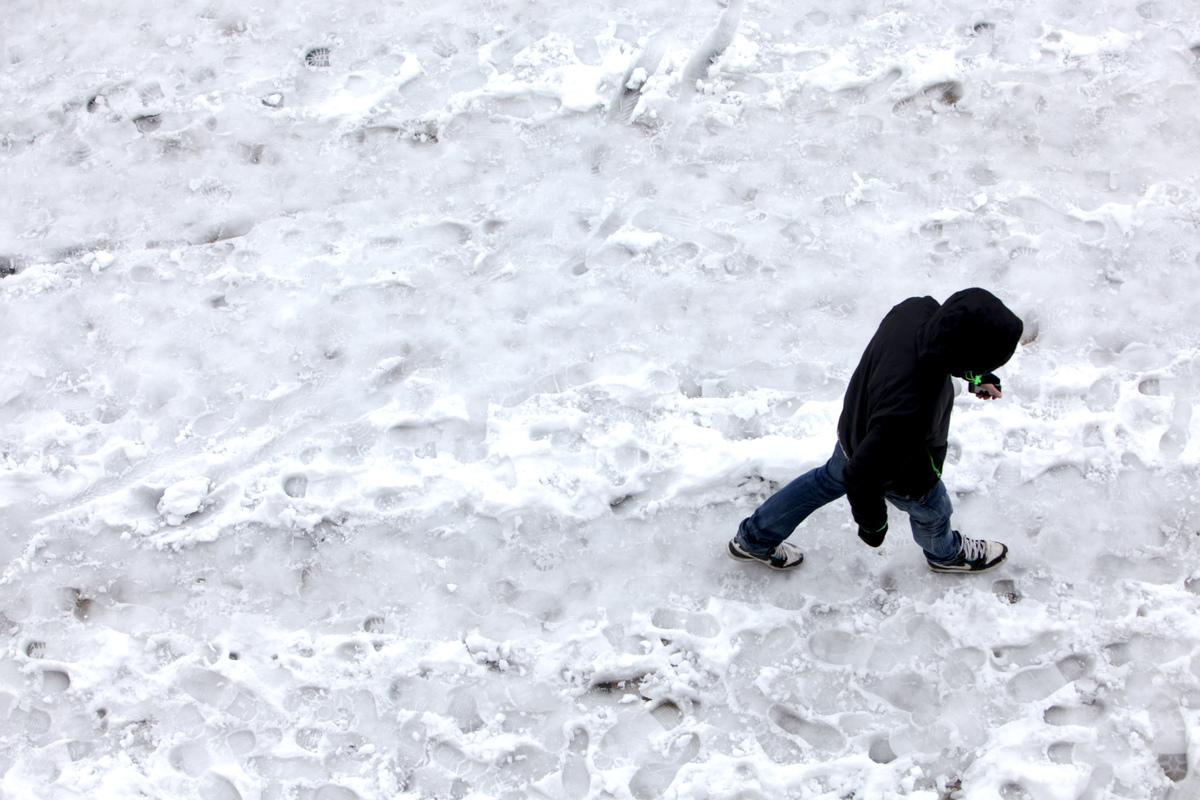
382,382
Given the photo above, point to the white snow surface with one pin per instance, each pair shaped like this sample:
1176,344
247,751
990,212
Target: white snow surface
383,380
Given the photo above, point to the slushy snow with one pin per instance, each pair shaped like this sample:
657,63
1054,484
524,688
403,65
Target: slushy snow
382,383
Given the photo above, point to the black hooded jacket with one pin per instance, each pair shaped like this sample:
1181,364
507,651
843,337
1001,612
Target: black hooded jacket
896,414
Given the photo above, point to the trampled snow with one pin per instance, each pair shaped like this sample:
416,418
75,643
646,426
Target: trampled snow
382,382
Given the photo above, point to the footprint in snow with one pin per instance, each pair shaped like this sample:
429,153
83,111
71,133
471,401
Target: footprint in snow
818,734
55,681
1061,753
37,722
1006,590
695,623
317,57
944,94
576,776
189,758
651,780
881,752
1039,212
1086,714
1038,682
1169,739
241,743
840,647
296,486
1026,654
217,787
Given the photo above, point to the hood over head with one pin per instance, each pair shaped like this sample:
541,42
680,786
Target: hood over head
973,331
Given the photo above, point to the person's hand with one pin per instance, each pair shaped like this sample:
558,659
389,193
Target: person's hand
987,391
873,538
985,387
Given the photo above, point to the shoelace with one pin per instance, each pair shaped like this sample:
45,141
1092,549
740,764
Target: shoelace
973,549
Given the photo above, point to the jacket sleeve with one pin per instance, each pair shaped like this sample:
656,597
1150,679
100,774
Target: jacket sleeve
886,447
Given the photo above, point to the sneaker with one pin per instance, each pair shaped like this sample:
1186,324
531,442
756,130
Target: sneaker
784,556
978,555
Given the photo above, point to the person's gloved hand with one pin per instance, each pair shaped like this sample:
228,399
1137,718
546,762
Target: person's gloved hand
985,387
873,538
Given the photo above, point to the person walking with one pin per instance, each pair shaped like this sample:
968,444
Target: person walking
892,435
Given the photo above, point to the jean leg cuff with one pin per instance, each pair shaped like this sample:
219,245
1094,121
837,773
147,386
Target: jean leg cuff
747,541
949,558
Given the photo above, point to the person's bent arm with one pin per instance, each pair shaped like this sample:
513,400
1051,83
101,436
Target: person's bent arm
865,477
886,447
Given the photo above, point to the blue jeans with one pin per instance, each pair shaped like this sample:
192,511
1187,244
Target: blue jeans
775,519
